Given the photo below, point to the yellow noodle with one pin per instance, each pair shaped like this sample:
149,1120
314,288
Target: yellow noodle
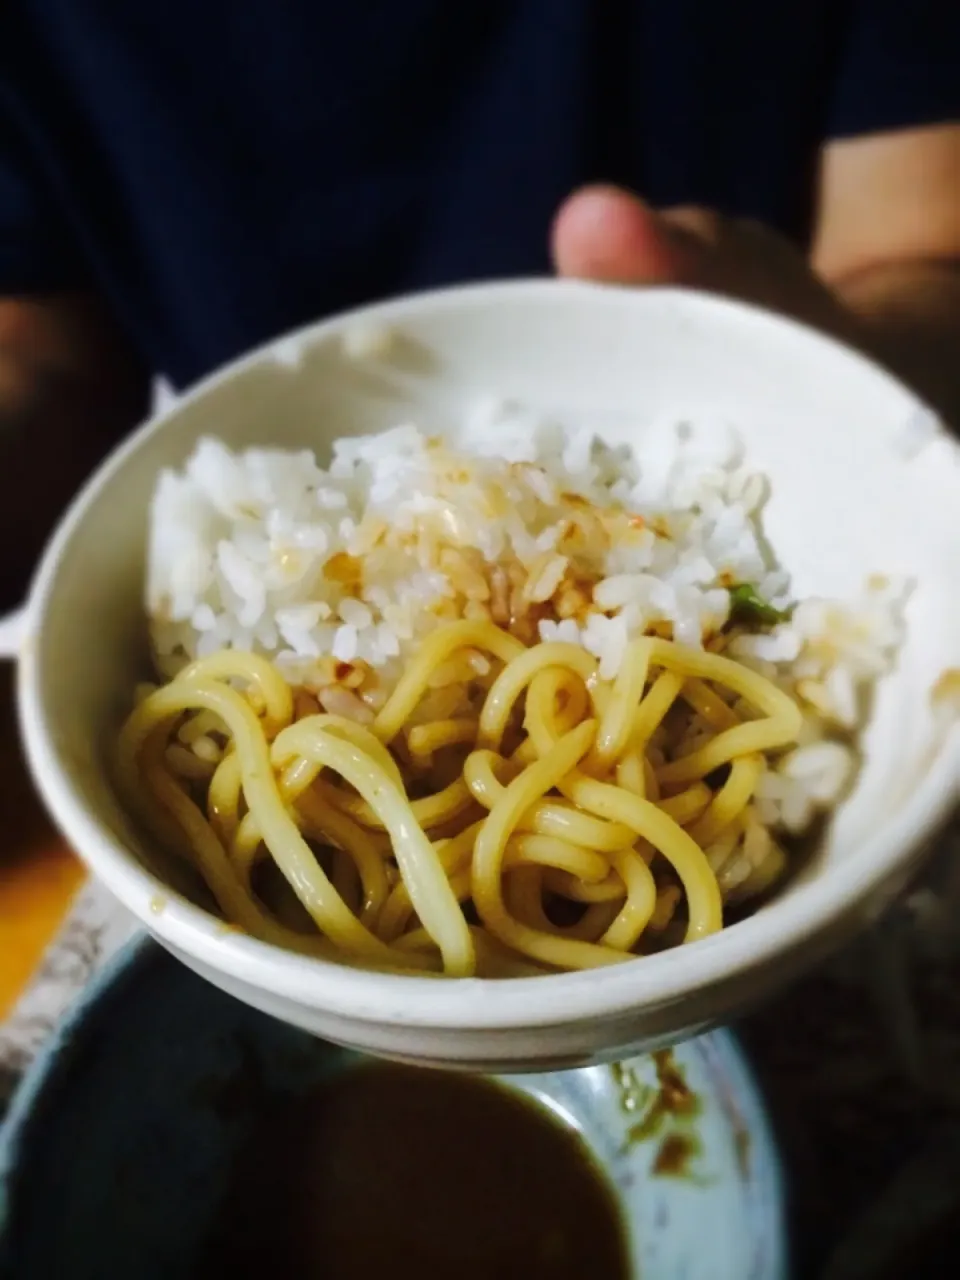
223,799
662,695
593,924
457,851
457,671
525,754
769,860
346,881
546,817
460,884
434,650
610,889
397,912
419,866
669,839
325,822
501,833
207,748
198,726
524,896
556,818
424,739
600,694
181,814
184,764
730,801
634,915
246,844
542,702
361,738
258,672
515,677
521,850
441,704
429,811
648,821
617,723
687,805
132,770
565,693
287,846
453,855
417,940
574,699
518,797
480,774
546,851
493,959
631,775
719,851
708,705
143,689
668,899
779,729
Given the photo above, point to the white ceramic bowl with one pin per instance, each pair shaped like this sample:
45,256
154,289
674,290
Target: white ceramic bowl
828,428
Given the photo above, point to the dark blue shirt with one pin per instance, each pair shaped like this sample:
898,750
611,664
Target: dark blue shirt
222,170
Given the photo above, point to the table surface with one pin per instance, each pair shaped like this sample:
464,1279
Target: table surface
867,1112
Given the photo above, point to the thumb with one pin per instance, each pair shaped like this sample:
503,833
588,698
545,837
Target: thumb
607,234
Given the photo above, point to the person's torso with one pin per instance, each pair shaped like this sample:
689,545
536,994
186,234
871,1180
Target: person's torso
232,170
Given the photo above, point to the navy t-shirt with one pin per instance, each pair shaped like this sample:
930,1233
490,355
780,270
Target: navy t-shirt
222,170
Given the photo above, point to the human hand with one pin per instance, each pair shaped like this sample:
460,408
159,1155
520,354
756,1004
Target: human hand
606,234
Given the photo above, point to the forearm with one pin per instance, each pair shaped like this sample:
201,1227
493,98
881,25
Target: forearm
57,420
907,315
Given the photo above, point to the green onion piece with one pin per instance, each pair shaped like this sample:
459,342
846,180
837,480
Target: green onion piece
750,609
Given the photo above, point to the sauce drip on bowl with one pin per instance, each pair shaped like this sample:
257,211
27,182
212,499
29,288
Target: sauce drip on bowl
390,1171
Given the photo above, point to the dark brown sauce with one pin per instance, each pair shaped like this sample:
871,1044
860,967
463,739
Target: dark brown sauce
673,1099
392,1172
675,1156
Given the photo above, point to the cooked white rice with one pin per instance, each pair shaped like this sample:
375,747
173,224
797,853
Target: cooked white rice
336,574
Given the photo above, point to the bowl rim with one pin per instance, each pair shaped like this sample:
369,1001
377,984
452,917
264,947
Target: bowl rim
473,1003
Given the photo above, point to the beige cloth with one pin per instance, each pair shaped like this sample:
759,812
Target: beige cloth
95,928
